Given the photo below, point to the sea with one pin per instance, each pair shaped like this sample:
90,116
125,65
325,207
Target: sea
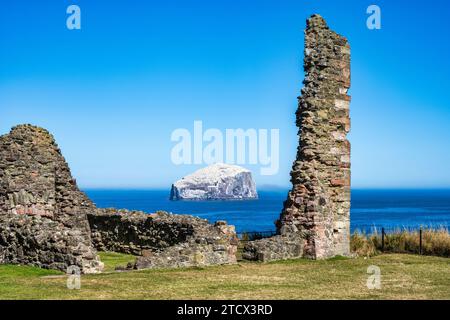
371,210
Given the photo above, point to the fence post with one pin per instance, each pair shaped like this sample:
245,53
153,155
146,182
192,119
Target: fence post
420,241
382,239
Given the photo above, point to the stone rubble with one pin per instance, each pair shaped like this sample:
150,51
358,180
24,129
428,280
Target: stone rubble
280,247
208,245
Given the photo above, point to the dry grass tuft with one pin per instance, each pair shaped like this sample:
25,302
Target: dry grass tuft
434,243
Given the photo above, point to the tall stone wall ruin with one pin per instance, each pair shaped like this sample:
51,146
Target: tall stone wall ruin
316,214
318,206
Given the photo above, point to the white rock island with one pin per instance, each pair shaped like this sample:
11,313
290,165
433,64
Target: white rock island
216,182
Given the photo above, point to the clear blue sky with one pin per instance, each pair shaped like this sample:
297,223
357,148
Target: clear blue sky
113,92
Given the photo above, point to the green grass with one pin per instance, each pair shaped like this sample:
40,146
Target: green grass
114,259
403,277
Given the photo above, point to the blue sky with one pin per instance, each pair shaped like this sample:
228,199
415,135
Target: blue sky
113,92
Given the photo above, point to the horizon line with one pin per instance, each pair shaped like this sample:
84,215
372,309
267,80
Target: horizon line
262,188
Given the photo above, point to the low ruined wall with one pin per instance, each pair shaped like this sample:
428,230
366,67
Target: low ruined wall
162,239
134,231
274,248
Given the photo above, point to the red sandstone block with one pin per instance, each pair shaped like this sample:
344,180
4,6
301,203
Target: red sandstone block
337,182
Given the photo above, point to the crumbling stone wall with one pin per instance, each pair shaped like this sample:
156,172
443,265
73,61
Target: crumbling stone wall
280,247
163,239
42,212
46,221
318,206
317,210
134,231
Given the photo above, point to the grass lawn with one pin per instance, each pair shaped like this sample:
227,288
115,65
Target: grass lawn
403,277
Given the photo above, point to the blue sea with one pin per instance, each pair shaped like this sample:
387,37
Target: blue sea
370,209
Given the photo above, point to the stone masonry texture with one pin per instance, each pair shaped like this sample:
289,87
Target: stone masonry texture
43,214
163,240
317,209
279,247
46,221
318,206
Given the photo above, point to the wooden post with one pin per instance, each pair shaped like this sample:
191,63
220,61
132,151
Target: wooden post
420,241
382,239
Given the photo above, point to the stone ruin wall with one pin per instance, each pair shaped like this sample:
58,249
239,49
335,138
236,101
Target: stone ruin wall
42,212
162,239
46,221
132,232
317,210
318,205
280,247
